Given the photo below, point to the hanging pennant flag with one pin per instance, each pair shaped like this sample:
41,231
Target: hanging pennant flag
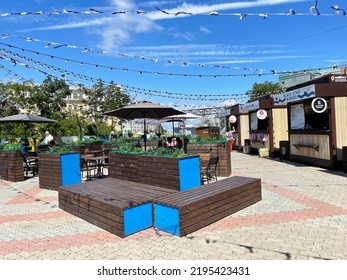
315,7
55,13
290,12
59,46
214,14
5,35
95,11
338,9
242,16
86,50
165,12
70,12
264,16
183,13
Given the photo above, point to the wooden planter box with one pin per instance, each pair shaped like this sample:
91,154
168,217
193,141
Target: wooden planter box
95,146
11,166
172,173
79,149
219,149
59,170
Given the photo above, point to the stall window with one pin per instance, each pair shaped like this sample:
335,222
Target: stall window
302,116
257,124
231,125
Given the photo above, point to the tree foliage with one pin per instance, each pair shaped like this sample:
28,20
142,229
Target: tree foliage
48,99
263,89
102,98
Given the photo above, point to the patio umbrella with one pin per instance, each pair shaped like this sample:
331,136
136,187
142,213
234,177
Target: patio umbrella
143,110
26,118
179,118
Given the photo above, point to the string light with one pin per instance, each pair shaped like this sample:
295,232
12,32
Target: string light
271,72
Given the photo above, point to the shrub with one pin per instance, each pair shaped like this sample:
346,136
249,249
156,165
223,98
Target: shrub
14,147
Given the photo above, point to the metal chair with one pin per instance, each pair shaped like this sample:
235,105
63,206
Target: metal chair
30,165
89,168
210,173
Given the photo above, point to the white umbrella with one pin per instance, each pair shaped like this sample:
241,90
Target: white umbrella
178,118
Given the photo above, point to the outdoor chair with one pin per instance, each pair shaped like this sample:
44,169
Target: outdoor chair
30,164
210,172
88,170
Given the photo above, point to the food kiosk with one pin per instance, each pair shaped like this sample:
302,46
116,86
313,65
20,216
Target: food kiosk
268,124
317,116
240,126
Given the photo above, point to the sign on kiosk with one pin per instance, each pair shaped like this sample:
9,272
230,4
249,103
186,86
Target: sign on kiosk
261,114
319,104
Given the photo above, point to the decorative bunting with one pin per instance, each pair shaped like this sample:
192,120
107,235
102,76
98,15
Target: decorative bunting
163,94
312,11
256,72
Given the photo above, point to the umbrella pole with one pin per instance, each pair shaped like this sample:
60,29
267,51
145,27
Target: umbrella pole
144,132
173,127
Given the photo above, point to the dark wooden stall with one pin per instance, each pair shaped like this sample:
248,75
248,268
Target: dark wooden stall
317,114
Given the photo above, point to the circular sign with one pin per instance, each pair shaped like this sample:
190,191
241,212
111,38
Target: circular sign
261,114
319,105
232,119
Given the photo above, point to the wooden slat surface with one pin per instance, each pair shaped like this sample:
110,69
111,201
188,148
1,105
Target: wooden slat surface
188,197
115,192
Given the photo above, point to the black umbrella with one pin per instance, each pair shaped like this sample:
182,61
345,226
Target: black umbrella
26,118
143,110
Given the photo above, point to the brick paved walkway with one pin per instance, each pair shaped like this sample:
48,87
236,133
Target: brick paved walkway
303,215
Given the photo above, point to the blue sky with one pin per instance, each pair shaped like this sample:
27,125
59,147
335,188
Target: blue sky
203,56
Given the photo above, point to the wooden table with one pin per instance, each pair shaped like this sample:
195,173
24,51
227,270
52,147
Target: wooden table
99,161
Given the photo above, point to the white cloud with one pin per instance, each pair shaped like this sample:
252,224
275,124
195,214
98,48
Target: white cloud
117,31
203,29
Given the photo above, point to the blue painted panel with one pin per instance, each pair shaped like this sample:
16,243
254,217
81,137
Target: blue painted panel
70,169
189,170
137,218
167,219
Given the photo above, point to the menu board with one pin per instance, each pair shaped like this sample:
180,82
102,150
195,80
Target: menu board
297,116
254,121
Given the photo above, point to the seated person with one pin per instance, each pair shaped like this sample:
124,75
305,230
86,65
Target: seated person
51,144
162,142
179,142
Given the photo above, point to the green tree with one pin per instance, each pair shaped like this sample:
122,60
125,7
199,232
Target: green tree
49,98
259,90
101,98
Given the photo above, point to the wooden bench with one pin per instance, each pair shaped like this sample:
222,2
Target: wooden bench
117,206
185,212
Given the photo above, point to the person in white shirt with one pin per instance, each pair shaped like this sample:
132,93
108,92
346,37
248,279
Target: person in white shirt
48,138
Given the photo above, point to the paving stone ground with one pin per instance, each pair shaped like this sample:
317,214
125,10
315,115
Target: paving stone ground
303,215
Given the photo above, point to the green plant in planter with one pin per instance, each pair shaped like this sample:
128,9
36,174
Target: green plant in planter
202,140
71,144
91,140
14,147
58,150
167,152
127,149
